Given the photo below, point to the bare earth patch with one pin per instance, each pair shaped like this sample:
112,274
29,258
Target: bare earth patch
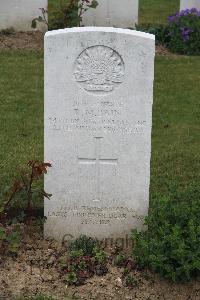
36,269
22,40
161,50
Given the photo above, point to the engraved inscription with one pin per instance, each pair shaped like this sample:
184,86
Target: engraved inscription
93,215
112,126
99,69
107,117
97,161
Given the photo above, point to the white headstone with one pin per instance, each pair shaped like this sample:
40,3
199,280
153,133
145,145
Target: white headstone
189,4
98,118
116,13
20,13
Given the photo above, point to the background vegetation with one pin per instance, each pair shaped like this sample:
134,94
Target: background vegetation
156,11
151,11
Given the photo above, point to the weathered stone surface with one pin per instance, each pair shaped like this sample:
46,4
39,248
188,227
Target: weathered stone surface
116,13
20,13
98,117
189,4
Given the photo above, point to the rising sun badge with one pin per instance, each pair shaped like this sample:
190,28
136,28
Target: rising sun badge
99,69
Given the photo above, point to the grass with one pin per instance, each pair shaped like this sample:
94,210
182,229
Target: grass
157,11
176,114
21,119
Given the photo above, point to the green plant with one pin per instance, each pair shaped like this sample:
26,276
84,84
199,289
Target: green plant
125,272
184,32
171,245
26,185
160,31
10,239
99,255
85,259
71,278
71,12
130,281
78,269
82,265
84,244
120,260
68,13
74,254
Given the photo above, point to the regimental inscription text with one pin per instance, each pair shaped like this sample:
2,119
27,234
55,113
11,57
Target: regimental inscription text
107,117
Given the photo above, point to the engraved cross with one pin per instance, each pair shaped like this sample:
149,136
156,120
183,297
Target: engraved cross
97,161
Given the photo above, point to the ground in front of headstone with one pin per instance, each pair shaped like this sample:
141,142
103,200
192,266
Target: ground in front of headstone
37,270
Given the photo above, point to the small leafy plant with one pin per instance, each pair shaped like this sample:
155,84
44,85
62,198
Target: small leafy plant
171,245
85,244
71,278
86,259
99,255
120,260
26,186
130,281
